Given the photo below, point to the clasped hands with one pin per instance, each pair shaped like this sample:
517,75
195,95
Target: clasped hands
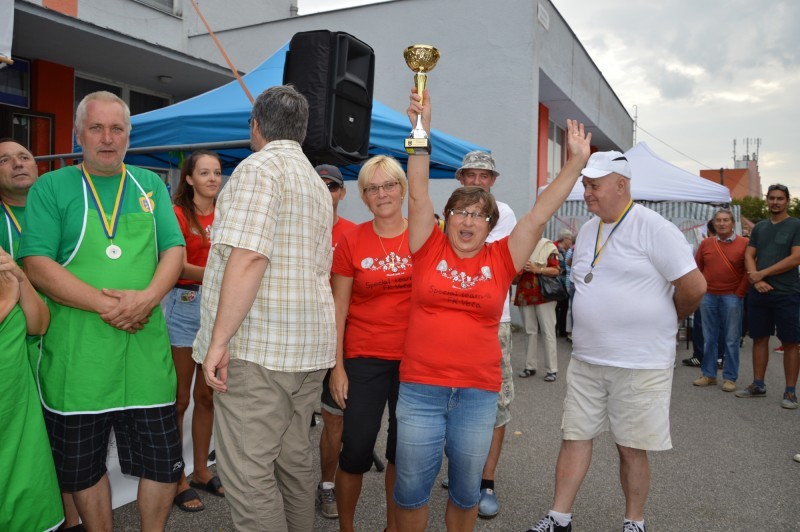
127,310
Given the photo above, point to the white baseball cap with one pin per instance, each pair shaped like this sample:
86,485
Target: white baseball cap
602,163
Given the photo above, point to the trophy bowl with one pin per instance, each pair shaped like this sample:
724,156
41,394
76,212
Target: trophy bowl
421,57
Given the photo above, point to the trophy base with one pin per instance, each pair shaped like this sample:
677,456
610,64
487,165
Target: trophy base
418,146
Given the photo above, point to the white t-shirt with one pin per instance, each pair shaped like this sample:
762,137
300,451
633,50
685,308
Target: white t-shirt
505,224
625,317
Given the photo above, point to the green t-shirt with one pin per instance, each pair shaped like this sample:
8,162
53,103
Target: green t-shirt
773,243
54,215
9,238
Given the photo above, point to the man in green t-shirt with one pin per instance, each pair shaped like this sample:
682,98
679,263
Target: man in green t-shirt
773,303
102,243
18,173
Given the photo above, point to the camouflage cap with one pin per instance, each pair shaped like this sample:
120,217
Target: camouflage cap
478,160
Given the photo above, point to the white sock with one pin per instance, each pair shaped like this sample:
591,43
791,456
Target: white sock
561,519
326,485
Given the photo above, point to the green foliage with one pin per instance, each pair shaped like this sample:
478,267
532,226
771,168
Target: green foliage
755,209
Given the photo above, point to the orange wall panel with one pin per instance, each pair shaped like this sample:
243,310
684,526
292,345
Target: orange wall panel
53,91
541,149
67,7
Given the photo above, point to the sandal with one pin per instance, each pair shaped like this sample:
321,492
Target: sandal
213,486
185,496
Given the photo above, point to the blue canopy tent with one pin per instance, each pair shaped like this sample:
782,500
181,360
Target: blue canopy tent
220,115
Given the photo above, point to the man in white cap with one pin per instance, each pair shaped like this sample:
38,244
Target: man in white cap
478,169
629,259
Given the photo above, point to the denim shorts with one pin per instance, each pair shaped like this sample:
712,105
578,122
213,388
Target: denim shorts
430,418
770,314
182,312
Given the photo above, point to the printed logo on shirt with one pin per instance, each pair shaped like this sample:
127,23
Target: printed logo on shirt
393,263
146,202
461,279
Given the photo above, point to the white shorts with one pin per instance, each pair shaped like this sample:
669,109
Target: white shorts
632,403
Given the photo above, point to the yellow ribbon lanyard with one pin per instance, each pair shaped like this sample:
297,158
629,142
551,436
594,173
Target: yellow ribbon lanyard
598,249
11,217
110,227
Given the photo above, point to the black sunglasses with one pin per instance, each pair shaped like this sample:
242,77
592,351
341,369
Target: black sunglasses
333,186
782,188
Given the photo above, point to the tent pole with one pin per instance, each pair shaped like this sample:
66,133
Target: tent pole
222,50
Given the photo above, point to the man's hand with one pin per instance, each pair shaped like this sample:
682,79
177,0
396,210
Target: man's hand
7,264
755,277
217,359
132,311
9,288
762,286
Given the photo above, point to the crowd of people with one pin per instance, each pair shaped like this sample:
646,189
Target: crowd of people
257,302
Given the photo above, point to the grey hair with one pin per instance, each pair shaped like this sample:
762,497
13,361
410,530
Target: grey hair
566,233
281,113
724,211
101,96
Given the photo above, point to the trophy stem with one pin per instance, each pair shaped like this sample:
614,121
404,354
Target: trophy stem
421,80
419,125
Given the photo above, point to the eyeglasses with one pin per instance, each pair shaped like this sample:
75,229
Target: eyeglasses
463,214
250,122
782,188
333,186
372,190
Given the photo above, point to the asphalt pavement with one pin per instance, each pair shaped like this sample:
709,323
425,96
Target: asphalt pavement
730,468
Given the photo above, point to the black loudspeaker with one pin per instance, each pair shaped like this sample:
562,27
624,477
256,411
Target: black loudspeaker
335,72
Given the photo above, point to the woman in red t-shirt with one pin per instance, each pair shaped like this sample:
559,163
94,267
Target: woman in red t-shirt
450,371
194,199
371,285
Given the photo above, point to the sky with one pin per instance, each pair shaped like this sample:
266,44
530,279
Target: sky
697,74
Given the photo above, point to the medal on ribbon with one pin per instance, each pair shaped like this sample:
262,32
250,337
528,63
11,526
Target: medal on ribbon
113,251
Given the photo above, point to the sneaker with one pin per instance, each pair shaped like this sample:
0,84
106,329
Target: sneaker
728,386
446,483
548,524
550,377
525,373
752,391
778,349
797,457
630,526
488,506
693,362
705,381
720,363
789,400
327,503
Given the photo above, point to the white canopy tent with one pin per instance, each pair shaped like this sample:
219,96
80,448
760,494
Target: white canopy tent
687,200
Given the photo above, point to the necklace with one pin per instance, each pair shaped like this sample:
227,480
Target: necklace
394,257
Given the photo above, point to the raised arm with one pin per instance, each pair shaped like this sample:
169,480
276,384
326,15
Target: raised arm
529,229
421,220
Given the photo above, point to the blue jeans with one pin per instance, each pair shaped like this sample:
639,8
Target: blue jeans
722,317
429,418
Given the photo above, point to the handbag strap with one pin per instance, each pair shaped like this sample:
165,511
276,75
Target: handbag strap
724,257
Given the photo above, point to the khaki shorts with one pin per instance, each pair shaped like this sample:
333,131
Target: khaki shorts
632,403
506,395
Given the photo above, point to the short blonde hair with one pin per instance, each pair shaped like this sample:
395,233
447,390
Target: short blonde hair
388,165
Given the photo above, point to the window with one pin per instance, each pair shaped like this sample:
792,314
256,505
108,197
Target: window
556,153
15,84
141,102
167,6
137,99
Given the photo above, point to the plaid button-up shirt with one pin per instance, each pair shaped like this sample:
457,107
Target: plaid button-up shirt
275,204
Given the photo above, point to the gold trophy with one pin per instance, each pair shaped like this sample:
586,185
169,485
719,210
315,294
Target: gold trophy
421,58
